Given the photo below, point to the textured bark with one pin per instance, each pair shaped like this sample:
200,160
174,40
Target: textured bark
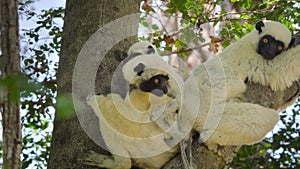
10,66
82,19
70,142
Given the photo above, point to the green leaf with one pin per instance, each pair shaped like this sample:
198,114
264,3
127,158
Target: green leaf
155,27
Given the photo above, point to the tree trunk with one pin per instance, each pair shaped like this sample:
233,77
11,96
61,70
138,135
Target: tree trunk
70,142
10,67
82,19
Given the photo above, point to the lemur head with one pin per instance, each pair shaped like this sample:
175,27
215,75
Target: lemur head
274,37
141,48
150,80
147,71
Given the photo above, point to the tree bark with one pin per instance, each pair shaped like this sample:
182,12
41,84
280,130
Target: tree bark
70,142
10,67
82,19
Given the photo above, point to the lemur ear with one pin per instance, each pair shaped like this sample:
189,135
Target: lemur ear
259,25
139,69
292,43
151,50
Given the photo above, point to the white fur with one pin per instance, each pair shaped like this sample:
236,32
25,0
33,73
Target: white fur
131,127
222,118
123,136
278,31
247,63
140,47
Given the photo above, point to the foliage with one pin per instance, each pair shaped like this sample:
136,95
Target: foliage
194,14
37,83
280,151
285,148
39,56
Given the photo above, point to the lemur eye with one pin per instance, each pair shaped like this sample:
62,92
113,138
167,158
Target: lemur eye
279,47
156,81
265,40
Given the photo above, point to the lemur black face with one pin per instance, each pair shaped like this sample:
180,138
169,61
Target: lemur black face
269,47
157,85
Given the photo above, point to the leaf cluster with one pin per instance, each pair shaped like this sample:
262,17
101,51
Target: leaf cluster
41,44
36,85
281,150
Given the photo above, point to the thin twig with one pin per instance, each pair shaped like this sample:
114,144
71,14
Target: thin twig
184,50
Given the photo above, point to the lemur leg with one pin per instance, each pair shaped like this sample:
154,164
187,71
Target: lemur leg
101,160
106,161
241,123
166,117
